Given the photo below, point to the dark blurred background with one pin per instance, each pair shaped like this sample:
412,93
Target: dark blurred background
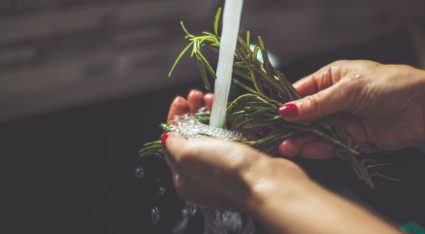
83,84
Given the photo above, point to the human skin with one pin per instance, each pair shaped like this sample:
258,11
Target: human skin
225,174
382,105
377,104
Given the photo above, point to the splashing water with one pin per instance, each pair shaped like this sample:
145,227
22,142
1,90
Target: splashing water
189,127
190,209
231,20
219,222
139,172
225,222
160,191
155,215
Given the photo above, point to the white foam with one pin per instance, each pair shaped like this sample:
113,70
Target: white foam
189,127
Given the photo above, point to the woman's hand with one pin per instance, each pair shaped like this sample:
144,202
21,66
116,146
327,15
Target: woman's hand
374,103
229,170
225,174
229,175
195,100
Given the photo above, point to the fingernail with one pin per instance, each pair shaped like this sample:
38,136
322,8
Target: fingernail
164,138
288,110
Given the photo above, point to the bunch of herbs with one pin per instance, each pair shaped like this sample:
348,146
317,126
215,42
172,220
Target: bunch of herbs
255,112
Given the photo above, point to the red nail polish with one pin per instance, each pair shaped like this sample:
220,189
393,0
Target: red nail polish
288,110
164,138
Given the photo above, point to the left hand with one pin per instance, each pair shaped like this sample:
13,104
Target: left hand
195,100
226,174
215,172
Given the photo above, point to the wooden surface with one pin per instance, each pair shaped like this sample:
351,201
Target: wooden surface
55,54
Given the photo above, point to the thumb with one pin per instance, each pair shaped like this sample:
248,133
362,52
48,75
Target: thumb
326,102
175,144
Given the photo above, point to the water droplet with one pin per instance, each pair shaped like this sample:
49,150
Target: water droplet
185,212
181,225
139,172
191,208
160,191
159,155
155,215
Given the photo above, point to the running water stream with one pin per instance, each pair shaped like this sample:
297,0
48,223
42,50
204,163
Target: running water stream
229,35
217,221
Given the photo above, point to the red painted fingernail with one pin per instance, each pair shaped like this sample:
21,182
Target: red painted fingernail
164,138
288,110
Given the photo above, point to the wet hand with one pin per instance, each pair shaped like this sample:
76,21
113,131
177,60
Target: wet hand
225,174
194,101
374,103
276,192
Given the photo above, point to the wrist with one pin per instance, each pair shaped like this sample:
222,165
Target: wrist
277,186
285,200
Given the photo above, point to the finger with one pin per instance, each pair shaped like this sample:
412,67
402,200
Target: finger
178,107
191,153
195,100
208,100
176,146
314,83
308,146
317,150
305,86
292,147
201,153
323,94
319,80
334,99
288,148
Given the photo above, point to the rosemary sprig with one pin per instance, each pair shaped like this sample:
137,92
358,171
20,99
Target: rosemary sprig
255,113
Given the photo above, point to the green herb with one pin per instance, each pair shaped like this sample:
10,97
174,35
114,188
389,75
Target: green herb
255,113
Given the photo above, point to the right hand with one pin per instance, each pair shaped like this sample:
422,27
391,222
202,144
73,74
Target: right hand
374,103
